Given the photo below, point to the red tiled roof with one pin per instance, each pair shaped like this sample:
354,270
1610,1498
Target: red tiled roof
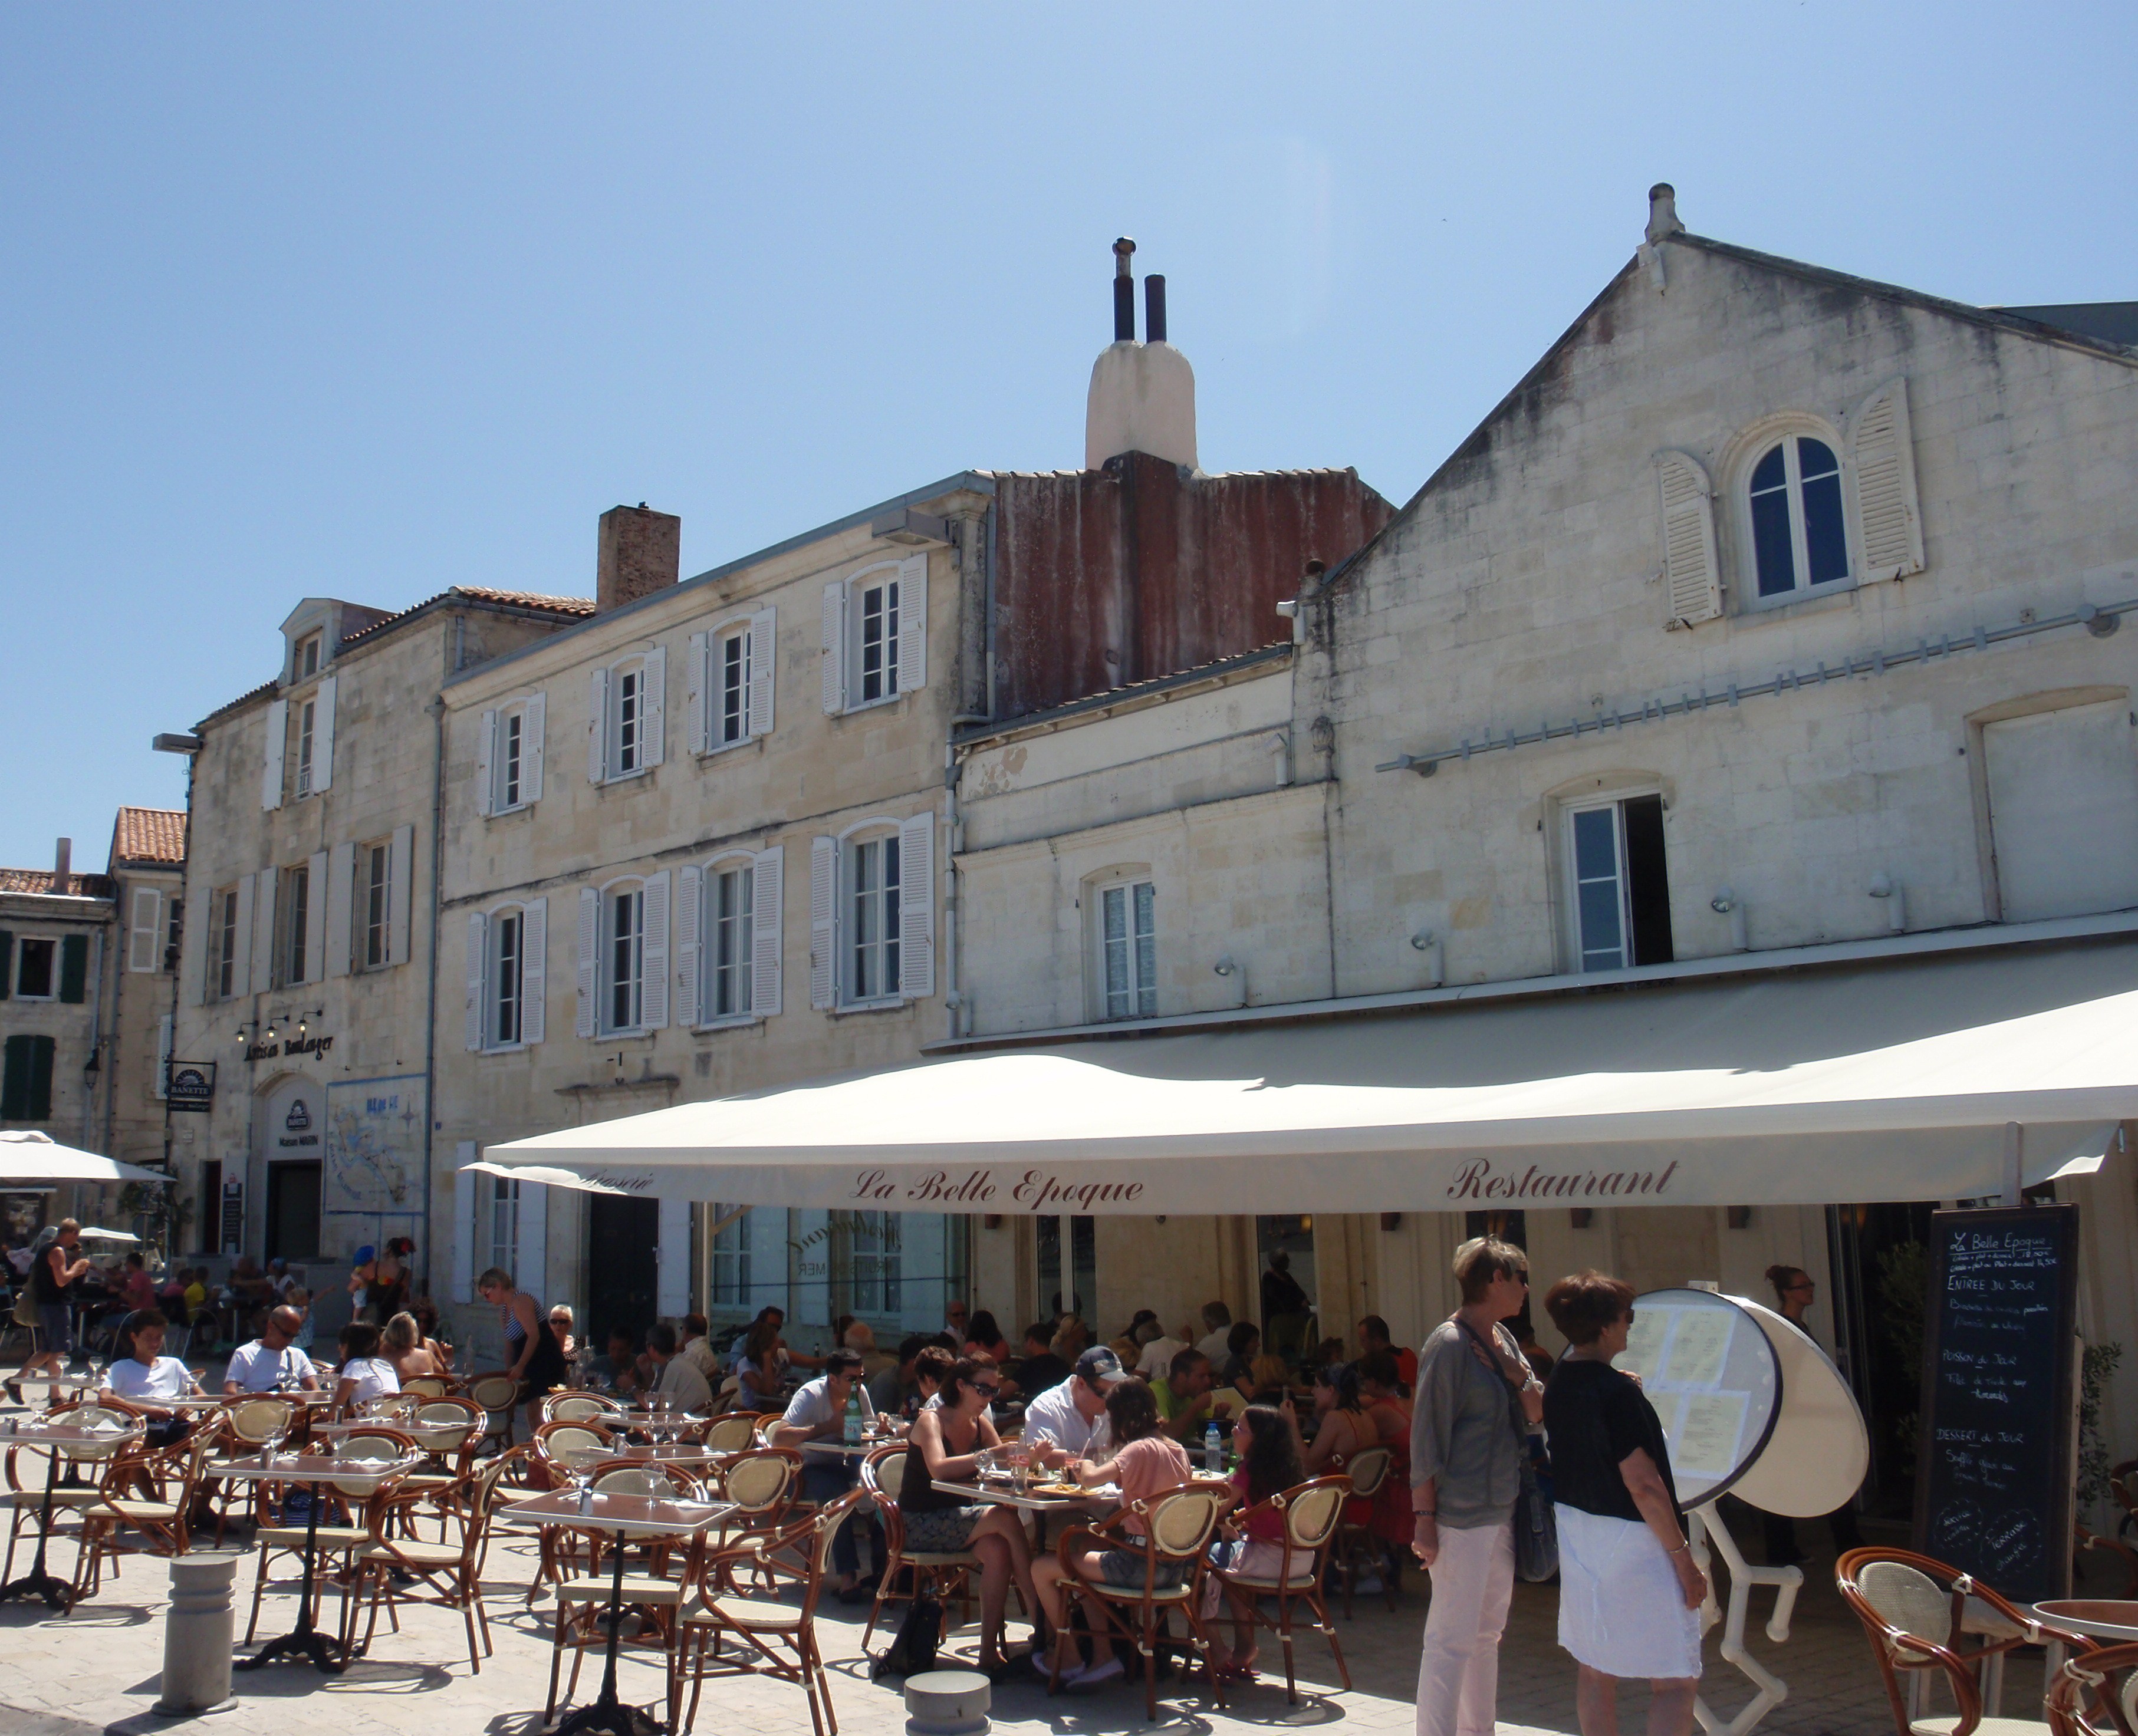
572,605
39,881
148,835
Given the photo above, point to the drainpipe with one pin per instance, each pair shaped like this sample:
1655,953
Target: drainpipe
437,708
954,1000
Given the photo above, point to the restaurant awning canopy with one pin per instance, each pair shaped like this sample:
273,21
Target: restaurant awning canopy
1888,1081
28,1159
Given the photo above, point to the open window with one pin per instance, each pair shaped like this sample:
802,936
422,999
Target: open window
508,774
1617,888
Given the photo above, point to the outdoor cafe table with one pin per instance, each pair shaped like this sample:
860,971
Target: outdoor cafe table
2099,1618
54,1436
1006,1494
623,1517
423,1434
356,1476
660,1452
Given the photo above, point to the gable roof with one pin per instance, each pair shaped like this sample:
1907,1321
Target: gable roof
569,609
148,836
38,882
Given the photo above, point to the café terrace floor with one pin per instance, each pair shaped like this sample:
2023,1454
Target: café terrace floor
97,1671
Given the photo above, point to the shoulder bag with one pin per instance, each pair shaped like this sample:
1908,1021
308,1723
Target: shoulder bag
1536,1526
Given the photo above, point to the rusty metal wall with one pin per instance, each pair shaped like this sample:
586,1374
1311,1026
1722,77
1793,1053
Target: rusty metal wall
1140,569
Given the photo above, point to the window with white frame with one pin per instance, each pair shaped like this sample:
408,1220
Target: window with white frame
307,721
732,682
1799,537
306,661
729,1274
508,932
731,678
873,1263
626,713
225,936
504,1223
1128,949
298,965
729,939
873,928
144,941
1618,885
507,975
623,958
375,905
509,756
876,634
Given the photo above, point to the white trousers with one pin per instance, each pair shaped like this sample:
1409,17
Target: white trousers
1458,1677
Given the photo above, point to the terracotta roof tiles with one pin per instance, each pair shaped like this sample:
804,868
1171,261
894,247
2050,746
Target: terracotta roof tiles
148,835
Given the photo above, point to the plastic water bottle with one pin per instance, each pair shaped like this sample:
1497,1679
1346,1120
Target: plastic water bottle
854,1428
1213,1449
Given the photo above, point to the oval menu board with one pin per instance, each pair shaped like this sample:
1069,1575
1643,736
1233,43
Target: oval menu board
1996,1456
1815,1461
1714,1380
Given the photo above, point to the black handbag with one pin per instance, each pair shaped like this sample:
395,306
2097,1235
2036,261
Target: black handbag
919,1635
1536,1526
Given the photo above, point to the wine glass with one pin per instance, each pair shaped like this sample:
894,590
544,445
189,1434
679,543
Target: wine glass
278,1431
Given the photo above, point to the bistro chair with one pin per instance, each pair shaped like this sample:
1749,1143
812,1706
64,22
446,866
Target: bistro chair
736,1433
340,1536
1312,1514
448,1574
2096,1695
1179,1522
557,1447
1357,1545
779,1634
1912,1608
941,1574
578,1407
440,1485
25,1495
499,1396
582,1600
248,1425
149,1491
427,1386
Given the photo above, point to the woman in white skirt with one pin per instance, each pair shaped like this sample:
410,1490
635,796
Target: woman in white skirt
1629,1591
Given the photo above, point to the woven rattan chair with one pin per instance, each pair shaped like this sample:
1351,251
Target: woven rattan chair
2095,1694
499,1396
941,1574
1357,1545
578,1407
341,1531
1312,1512
147,1491
25,1494
447,1572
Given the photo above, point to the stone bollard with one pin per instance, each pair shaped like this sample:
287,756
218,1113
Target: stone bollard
197,1636
947,1703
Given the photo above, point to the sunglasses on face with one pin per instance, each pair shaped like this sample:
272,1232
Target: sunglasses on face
988,1392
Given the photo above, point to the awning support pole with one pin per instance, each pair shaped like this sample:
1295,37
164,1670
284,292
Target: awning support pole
2013,1175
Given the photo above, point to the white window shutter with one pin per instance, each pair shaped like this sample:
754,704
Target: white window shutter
534,969
467,1196
1888,517
835,649
485,760
588,959
240,967
159,1084
824,921
672,1254
400,879
264,886
689,891
315,917
916,907
341,895
531,749
478,936
764,653
270,769
766,869
698,682
323,716
653,1001
1693,577
598,726
142,952
654,712
531,1262
913,623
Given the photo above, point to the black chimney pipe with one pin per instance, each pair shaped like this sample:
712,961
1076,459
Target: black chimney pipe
1124,293
1154,310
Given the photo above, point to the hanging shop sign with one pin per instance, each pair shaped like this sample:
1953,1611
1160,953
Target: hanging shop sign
189,1087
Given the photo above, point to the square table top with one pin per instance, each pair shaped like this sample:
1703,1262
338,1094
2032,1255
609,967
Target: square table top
33,1431
352,1475
663,1452
1005,1495
423,1433
636,1515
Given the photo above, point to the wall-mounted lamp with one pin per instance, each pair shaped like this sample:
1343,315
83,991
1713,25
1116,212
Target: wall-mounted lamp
1228,966
1580,1217
1884,885
1739,1217
1726,903
1427,942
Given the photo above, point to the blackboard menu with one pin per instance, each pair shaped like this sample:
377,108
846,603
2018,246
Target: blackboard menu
1996,1459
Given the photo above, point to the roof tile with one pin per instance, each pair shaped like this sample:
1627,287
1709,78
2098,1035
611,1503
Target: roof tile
148,835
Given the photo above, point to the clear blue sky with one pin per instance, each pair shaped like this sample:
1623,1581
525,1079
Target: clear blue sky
367,301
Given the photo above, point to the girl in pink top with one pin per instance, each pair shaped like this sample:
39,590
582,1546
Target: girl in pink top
1267,1442
1144,1462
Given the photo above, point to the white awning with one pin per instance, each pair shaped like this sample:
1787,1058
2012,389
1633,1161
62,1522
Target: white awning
29,1157
1894,1081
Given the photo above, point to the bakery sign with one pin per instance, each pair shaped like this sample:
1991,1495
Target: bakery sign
189,1086
297,1129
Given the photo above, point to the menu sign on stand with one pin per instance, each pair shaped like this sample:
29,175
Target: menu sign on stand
1996,1453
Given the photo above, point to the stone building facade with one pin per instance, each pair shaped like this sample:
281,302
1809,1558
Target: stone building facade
1771,620
306,965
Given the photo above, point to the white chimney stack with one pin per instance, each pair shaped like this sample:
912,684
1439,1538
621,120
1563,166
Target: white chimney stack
1143,395
63,867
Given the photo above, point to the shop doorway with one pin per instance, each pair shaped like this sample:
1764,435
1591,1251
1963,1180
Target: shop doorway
622,1234
1068,1286
1879,1290
1284,1247
293,1210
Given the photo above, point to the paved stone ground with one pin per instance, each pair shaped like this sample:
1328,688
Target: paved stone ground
97,1671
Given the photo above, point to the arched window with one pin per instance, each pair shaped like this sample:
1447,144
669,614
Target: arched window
1798,539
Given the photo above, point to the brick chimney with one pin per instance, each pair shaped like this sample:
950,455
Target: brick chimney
641,552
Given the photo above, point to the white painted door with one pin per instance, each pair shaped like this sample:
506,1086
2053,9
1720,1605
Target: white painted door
2063,810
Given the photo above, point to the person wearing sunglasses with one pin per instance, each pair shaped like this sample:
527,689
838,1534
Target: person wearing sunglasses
1794,1292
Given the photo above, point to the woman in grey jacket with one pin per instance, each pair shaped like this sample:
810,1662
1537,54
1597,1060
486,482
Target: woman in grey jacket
1466,1470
